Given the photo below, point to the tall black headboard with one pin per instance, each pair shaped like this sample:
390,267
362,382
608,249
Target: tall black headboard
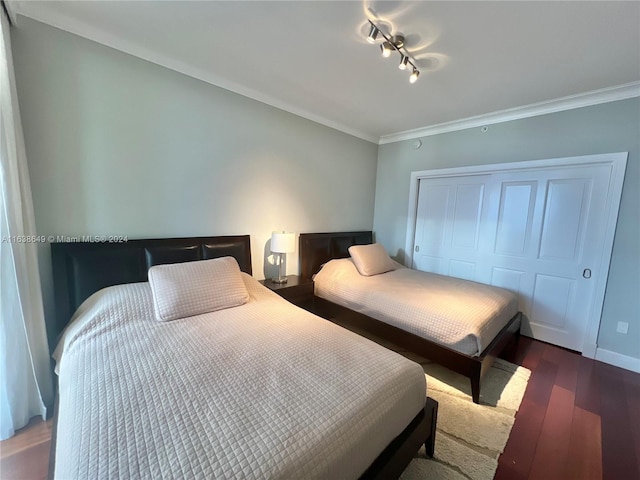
82,268
317,249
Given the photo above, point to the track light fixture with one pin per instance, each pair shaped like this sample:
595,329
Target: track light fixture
373,34
386,48
394,43
413,78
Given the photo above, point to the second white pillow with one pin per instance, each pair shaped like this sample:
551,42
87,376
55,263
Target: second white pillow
371,259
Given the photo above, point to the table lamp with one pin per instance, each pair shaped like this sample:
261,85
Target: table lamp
282,243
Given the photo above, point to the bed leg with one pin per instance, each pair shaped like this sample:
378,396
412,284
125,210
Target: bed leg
430,443
475,387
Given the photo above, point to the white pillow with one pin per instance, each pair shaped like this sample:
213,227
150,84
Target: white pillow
371,259
186,289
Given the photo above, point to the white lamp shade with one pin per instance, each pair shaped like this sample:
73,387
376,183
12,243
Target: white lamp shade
283,242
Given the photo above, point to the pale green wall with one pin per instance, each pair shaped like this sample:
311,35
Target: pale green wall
117,145
607,128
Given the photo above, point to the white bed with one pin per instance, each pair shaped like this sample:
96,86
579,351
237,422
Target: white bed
261,390
462,315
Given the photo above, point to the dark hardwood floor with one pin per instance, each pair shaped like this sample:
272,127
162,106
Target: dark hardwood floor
579,419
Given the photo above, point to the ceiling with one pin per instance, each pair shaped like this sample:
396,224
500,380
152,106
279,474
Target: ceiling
311,57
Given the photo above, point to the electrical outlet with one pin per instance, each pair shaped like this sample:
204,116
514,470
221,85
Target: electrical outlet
623,327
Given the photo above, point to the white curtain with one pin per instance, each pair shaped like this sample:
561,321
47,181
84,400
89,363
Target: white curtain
25,376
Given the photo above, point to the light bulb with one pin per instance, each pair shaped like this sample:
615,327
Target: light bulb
404,60
414,76
386,49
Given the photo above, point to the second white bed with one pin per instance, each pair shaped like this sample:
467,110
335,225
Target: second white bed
462,315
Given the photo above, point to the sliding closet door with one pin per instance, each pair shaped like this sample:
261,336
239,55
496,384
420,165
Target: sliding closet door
549,232
448,225
537,232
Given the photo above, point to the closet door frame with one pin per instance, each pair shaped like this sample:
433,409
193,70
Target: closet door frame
617,162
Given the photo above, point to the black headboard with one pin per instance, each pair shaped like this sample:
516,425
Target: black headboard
82,268
317,249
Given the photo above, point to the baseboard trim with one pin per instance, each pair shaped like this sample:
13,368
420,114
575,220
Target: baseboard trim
618,360
590,350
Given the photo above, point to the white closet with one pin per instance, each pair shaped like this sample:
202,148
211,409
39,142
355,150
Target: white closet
540,229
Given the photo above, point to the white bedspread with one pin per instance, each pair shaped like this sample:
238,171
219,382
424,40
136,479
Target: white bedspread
462,315
263,390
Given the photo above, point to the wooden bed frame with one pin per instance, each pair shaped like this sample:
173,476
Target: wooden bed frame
318,248
81,268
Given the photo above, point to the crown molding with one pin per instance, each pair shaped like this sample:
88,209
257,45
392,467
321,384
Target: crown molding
102,37
595,97
81,29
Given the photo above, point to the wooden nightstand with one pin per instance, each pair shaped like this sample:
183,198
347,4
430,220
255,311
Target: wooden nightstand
297,290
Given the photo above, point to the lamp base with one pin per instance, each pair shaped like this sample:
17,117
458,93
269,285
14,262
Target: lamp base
281,278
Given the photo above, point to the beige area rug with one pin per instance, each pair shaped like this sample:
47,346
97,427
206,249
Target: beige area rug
469,437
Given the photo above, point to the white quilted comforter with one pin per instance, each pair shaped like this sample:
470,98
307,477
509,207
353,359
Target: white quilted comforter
264,390
462,315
